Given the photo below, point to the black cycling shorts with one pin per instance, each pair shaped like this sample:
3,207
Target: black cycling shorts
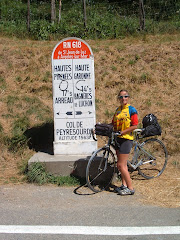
124,145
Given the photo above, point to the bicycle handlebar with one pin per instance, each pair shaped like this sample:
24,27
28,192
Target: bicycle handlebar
93,133
95,139
138,131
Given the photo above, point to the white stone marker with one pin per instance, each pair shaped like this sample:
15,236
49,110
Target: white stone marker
73,97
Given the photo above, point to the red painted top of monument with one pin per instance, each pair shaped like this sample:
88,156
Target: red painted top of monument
72,48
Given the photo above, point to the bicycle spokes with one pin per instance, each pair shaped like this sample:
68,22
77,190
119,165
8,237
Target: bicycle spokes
100,170
153,156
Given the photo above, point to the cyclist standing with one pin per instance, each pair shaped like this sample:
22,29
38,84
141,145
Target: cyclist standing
125,120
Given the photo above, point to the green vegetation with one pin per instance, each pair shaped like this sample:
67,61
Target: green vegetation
2,83
1,128
21,110
176,164
105,19
37,174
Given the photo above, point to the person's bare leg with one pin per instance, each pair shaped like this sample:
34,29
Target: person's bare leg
122,167
122,178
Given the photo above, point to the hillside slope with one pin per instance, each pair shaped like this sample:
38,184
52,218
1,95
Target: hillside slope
148,67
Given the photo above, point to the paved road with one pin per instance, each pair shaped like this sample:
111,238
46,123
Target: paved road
30,205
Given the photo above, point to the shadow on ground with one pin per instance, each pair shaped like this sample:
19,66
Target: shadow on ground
41,138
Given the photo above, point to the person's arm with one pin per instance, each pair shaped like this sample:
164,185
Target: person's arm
130,129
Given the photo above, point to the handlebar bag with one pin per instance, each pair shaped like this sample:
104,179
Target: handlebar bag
103,129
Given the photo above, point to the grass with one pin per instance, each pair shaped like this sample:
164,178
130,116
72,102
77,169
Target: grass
148,102
1,128
176,164
2,83
46,77
145,78
109,114
20,125
37,174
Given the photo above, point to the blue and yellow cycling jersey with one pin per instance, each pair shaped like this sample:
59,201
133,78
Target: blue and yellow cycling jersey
124,118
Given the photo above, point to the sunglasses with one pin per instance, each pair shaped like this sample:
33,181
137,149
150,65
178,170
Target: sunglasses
121,97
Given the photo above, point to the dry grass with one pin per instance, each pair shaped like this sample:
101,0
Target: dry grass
162,191
148,67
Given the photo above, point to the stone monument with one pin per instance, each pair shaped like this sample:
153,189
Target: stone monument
73,97
74,108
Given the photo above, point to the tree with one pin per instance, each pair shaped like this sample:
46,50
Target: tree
141,15
28,15
53,11
85,18
60,5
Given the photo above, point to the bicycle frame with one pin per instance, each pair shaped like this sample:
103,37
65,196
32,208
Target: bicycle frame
139,147
107,146
105,167
103,160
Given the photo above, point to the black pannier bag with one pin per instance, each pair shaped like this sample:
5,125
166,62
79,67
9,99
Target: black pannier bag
103,129
151,126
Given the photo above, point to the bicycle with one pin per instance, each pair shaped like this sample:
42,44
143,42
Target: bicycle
149,158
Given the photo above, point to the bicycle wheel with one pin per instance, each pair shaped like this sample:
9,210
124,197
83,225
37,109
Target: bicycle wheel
153,157
100,169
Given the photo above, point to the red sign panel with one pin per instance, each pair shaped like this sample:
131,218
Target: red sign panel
72,49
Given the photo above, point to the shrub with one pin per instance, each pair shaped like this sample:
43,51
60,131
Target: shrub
105,19
37,174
